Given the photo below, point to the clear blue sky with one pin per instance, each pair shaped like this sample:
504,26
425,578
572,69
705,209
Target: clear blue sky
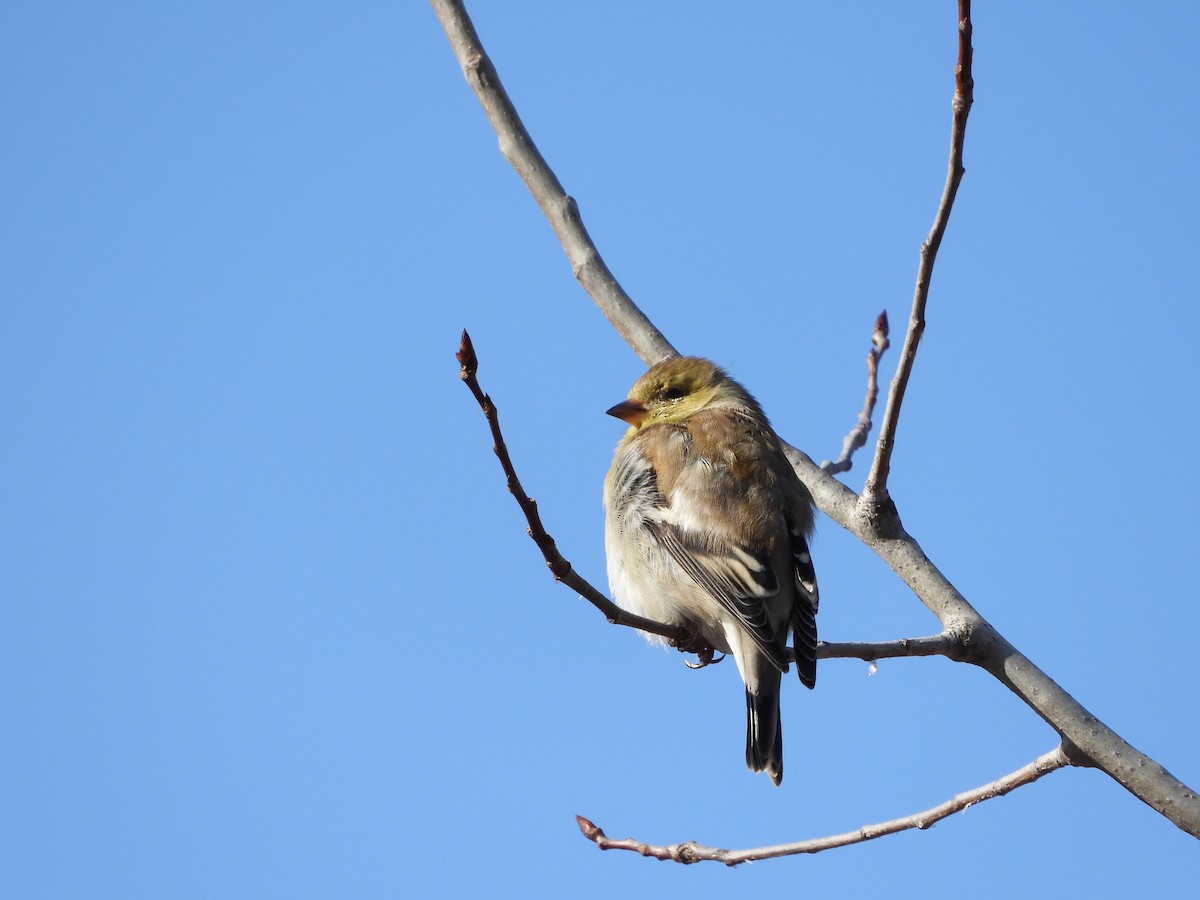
270,622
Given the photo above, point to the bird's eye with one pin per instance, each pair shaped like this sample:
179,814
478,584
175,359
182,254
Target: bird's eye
673,393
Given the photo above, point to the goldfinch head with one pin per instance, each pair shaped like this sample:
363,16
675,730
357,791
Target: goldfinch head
676,389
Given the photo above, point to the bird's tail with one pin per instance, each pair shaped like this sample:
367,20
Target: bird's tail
764,735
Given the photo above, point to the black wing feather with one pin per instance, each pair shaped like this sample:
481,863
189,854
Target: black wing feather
804,613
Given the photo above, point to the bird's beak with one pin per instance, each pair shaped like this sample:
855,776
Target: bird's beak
632,411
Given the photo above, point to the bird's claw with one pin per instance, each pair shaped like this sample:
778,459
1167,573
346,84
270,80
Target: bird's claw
693,643
704,654
704,658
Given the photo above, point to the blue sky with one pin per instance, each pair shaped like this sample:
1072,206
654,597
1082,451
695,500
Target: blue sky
271,625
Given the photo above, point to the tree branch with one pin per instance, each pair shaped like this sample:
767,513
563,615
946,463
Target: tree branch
692,852
519,149
858,434
984,646
944,644
875,489
559,567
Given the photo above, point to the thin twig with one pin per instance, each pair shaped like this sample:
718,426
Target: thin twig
858,434
875,490
691,852
519,149
944,644
561,569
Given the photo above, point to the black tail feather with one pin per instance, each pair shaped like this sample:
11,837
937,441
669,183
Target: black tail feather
764,734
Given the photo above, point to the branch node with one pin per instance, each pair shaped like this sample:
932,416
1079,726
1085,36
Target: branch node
1075,756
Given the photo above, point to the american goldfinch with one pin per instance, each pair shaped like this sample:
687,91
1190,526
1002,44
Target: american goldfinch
707,526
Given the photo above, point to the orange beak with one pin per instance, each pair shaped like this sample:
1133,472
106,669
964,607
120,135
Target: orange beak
632,411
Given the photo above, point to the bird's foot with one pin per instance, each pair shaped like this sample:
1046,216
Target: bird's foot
704,653
704,658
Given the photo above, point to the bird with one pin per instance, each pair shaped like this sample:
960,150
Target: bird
707,528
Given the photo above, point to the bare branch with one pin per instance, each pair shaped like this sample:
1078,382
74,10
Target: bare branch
858,434
691,852
875,489
879,527
519,149
561,569
944,644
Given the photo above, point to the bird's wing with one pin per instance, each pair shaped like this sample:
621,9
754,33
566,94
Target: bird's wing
737,577
804,611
